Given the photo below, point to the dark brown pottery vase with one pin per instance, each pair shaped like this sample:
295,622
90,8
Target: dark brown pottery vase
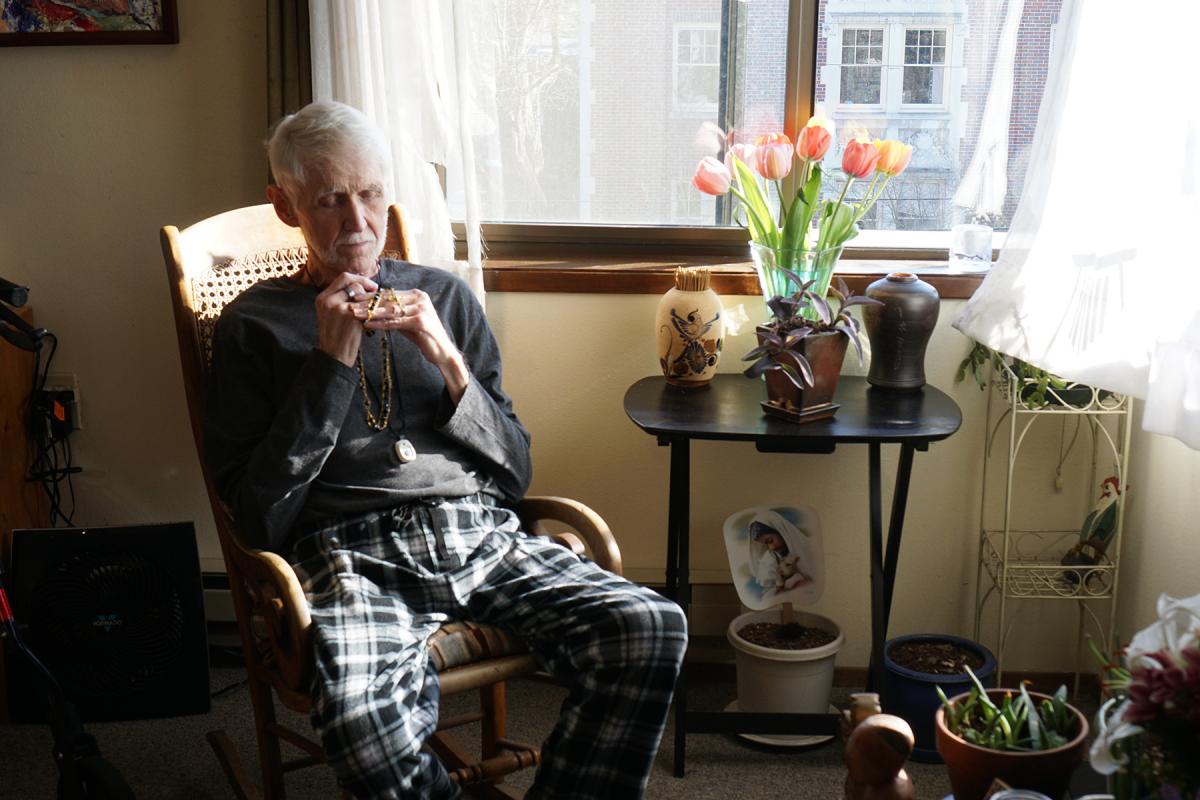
973,768
825,353
899,330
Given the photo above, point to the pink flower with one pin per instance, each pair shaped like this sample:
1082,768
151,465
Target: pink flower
893,156
711,177
813,141
859,158
744,153
774,155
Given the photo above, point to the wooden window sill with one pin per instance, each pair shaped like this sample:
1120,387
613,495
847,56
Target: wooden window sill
731,275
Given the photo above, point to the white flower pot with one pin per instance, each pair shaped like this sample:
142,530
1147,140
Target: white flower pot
791,681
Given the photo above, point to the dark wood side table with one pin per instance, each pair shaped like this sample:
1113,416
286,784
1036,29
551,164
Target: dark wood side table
728,409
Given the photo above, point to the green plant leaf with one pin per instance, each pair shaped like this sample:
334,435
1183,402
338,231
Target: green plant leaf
793,224
837,223
809,192
1034,722
757,205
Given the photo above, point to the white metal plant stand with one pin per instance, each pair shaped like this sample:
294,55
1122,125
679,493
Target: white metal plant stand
1024,563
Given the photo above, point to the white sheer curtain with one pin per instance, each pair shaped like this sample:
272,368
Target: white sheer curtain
1098,279
985,182
400,63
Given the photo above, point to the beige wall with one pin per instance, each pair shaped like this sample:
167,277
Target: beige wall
1162,542
102,145
568,362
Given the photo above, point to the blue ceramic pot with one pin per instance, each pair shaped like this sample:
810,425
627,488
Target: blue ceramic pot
911,695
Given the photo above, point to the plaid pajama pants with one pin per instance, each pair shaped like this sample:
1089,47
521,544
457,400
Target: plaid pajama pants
379,585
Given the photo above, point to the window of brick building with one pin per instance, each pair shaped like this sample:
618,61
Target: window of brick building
697,68
862,65
924,65
603,109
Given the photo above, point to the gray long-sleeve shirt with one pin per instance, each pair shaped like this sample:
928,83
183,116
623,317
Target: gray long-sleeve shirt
286,437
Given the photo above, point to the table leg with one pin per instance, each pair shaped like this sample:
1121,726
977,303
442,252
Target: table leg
895,527
678,501
878,580
678,582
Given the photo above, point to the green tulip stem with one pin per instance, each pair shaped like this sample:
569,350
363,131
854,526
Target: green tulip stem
758,227
822,240
869,199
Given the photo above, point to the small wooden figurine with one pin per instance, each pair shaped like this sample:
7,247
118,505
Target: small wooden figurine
876,751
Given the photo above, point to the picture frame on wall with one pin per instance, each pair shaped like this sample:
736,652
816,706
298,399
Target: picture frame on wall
67,22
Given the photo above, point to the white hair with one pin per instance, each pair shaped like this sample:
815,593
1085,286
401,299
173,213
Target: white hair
318,134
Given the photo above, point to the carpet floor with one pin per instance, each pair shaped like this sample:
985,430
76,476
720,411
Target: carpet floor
169,759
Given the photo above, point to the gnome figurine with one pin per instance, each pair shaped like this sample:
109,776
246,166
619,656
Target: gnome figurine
875,754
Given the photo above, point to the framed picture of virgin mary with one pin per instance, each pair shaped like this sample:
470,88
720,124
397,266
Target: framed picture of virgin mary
776,555
34,22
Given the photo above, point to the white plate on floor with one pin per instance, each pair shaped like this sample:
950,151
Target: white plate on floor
784,741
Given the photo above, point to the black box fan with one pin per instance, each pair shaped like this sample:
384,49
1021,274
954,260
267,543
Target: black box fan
116,615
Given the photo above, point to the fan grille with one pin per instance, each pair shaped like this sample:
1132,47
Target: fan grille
107,623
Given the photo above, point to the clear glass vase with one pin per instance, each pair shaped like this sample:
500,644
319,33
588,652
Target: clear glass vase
769,263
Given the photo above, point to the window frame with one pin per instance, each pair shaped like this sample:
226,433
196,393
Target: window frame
689,109
517,239
863,108
943,105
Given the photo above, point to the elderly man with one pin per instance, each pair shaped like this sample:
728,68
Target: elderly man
356,425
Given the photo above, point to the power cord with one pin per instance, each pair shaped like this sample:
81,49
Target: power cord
50,426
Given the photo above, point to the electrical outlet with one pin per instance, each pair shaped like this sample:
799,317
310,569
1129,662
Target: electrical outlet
65,382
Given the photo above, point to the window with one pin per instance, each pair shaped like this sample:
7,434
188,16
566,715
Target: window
601,110
862,60
919,203
689,205
697,68
924,65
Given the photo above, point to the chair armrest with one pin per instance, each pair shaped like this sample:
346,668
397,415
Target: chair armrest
589,526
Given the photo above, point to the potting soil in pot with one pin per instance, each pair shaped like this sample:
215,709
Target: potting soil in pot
935,658
785,636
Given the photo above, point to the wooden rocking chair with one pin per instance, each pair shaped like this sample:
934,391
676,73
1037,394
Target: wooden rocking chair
208,264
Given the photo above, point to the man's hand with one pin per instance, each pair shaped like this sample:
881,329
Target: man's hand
338,315
411,313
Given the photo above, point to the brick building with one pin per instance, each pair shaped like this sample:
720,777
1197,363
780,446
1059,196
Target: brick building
636,80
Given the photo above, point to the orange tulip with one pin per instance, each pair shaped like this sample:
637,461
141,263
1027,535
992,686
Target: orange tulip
859,158
711,176
773,153
893,156
813,141
744,152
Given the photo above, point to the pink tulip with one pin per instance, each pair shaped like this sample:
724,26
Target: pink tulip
744,153
893,156
813,142
859,158
774,155
711,176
